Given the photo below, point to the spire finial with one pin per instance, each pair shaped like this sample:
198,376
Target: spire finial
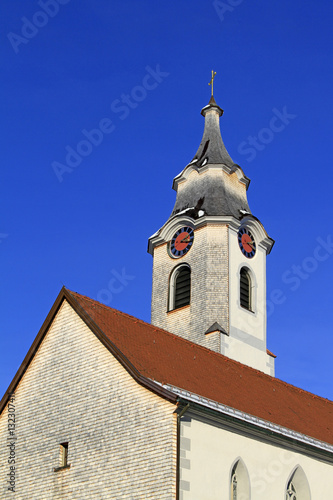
212,80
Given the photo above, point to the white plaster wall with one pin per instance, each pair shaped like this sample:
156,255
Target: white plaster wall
122,437
247,341
209,452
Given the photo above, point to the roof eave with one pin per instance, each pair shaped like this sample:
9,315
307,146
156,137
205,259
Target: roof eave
270,428
194,165
33,349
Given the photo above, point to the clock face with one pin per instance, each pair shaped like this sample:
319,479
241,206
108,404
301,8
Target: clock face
181,241
246,243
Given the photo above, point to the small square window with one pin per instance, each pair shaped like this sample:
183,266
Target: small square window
63,458
64,454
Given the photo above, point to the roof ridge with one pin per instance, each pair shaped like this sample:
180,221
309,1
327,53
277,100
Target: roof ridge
157,328
299,389
232,362
122,313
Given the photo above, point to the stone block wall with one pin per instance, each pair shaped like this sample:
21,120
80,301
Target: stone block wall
121,437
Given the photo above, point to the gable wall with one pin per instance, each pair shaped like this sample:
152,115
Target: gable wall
122,437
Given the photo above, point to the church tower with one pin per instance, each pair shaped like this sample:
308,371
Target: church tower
209,258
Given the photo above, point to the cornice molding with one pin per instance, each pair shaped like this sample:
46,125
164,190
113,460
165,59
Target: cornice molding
181,219
259,231
274,431
200,168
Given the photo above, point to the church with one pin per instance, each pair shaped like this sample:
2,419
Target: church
108,407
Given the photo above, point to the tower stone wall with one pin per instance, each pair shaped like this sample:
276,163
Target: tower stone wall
208,260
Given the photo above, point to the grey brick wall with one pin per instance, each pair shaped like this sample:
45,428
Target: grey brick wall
122,437
208,259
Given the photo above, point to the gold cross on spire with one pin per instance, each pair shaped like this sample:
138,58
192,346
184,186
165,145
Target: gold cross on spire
212,80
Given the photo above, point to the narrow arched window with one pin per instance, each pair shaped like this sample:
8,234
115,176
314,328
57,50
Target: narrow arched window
180,287
245,289
291,492
239,484
298,486
234,487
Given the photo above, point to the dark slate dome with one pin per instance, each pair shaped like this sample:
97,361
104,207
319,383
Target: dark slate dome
211,194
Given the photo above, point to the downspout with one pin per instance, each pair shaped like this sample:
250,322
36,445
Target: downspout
179,416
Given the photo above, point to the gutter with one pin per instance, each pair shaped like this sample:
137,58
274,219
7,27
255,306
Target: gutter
250,420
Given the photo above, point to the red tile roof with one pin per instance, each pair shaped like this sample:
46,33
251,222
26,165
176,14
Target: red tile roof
167,358
150,353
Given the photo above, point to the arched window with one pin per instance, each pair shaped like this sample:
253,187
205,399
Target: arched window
245,289
180,287
234,487
239,484
291,492
298,486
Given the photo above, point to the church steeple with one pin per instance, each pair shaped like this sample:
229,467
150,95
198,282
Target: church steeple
212,148
216,186
209,272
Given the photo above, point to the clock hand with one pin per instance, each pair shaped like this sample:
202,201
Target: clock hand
185,240
251,243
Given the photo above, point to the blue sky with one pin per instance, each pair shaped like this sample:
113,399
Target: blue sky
138,72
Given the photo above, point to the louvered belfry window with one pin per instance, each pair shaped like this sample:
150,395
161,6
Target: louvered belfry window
245,289
182,287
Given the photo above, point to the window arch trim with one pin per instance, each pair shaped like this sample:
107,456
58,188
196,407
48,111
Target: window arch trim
246,285
297,481
243,487
179,287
